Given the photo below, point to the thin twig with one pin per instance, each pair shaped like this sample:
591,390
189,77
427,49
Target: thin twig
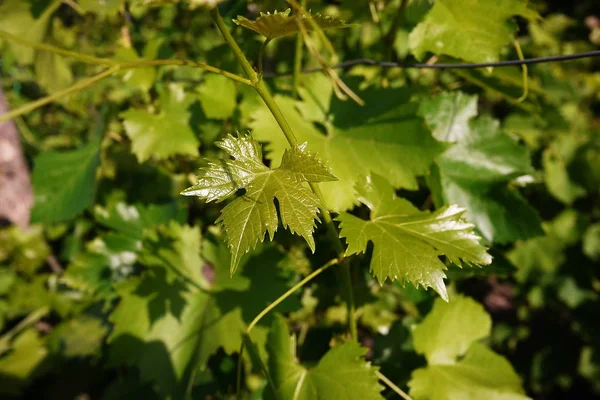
392,386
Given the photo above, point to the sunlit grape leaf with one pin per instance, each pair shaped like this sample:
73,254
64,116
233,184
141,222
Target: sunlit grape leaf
385,136
169,327
217,95
16,18
278,24
476,171
342,373
64,183
473,30
458,366
408,242
248,218
162,134
448,115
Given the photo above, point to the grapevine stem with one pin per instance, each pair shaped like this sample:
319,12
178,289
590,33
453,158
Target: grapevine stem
392,386
298,57
260,86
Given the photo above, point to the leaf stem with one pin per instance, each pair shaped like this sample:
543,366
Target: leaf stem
298,57
524,72
260,86
261,54
392,386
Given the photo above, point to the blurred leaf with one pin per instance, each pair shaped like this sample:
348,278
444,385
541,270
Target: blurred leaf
409,242
64,183
459,367
163,134
53,72
217,95
448,115
341,373
16,367
79,337
591,242
131,220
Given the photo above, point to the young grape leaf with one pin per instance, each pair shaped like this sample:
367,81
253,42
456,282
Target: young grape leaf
248,218
279,24
342,373
64,183
385,136
164,134
473,30
458,366
408,242
476,171
217,95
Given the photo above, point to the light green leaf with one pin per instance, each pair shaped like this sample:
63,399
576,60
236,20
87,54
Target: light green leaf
385,137
217,95
342,373
101,7
53,72
78,337
131,220
459,367
141,78
408,242
27,353
473,30
450,328
591,242
64,183
279,24
481,374
163,134
448,115
557,178
246,219
16,18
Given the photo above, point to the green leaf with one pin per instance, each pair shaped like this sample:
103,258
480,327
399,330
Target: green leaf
16,367
408,242
556,176
64,183
476,171
16,18
448,115
218,96
591,242
473,30
342,373
279,24
131,220
248,218
79,337
385,137
53,72
101,7
141,78
459,367
163,134
169,327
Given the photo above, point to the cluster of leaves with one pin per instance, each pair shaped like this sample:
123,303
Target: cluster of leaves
122,288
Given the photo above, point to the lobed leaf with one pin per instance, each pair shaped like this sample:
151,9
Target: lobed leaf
408,242
248,218
279,24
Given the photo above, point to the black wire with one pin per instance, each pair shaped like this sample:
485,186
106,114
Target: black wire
391,64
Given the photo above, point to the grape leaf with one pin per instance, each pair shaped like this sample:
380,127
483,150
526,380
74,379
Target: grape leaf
164,134
342,373
475,174
64,183
279,24
169,326
217,95
16,367
408,242
78,337
131,220
473,30
556,175
385,136
16,18
104,7
458,366
448,115
591,242
248,218
53,72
